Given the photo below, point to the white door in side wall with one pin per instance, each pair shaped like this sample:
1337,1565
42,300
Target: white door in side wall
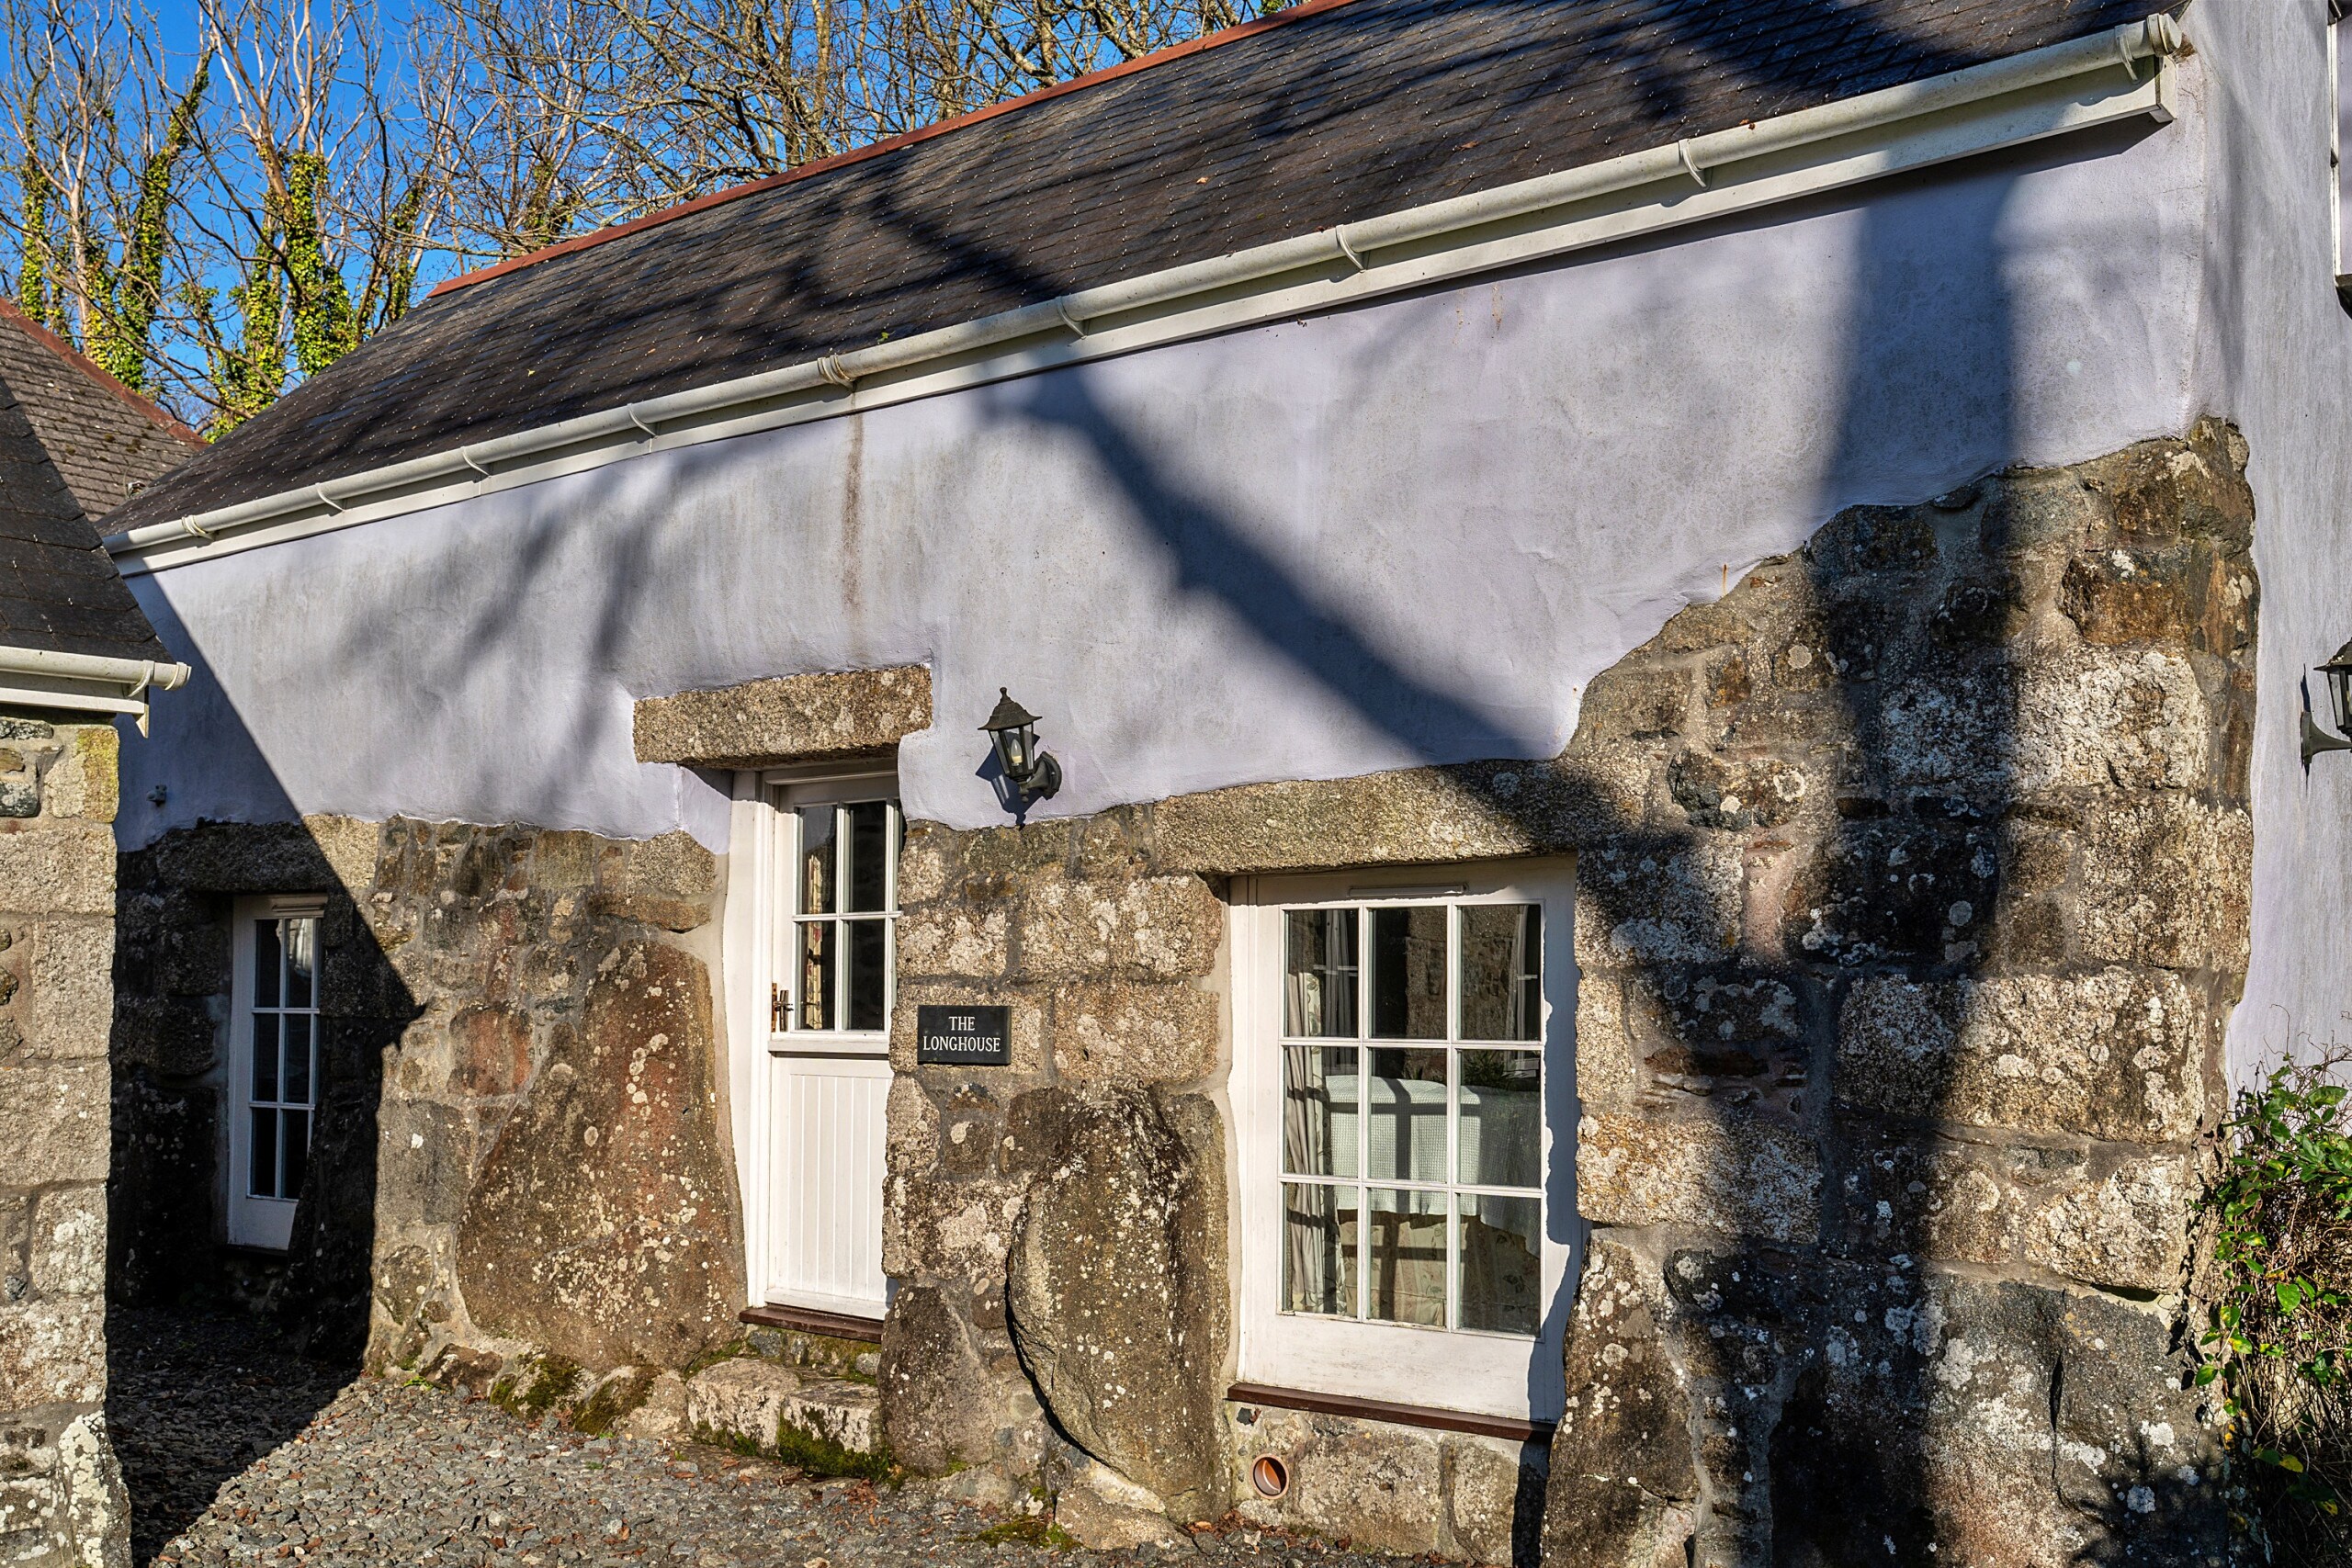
272,1087
836,843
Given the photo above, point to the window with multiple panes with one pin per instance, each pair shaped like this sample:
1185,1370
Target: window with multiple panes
1399,1154
274,1065
843,897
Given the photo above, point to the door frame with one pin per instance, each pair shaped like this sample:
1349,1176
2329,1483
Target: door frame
759,849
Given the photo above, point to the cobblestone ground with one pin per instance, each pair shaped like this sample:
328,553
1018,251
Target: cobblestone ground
236,1453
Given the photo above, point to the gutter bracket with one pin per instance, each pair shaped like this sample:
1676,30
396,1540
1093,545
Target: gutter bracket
466,455
330,502
830,368
198,529
1061,307
650,434
1349,251
1690,163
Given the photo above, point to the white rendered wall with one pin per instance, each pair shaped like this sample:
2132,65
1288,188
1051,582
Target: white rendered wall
2277,357
1408,533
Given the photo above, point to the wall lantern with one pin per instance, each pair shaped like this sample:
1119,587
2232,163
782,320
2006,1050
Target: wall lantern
2338,671
1033,774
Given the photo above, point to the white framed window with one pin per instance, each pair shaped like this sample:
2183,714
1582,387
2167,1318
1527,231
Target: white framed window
1402,1063
273,1089
835,975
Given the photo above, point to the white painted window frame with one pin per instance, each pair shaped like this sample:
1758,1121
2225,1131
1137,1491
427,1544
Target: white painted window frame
2336,97
264,1222
756,938
1446,1369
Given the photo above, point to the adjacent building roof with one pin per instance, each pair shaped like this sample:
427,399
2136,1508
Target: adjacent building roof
74,442
1332,112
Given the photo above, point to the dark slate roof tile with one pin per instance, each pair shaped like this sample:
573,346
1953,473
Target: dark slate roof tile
1349,111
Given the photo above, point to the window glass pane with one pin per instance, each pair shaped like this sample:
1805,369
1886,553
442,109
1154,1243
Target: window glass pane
1501,1275
1319,1110
1404,1112
1319,1248
1502,1118
264,1058
817,974
869,857
1319,982
297,1084
1408,1269
297,1125
262,1169
1409,973
301,961
1502,961
869,971
816,887
265,964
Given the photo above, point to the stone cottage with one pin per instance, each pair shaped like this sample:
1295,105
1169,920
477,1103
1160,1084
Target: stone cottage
74,652
1507,776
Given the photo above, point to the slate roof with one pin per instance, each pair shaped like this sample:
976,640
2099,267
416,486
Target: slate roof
72,442
1338,111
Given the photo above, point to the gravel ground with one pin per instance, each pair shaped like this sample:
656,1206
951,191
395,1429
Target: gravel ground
235,1453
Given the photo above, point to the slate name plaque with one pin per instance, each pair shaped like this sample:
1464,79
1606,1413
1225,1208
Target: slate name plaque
964,1037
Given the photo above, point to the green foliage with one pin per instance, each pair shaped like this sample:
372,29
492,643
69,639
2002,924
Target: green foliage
36,294
2280,1341
1032,1529
123,300
553,1380
613,1401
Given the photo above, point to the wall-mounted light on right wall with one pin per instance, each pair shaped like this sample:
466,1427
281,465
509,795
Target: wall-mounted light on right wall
1033,774
2338,672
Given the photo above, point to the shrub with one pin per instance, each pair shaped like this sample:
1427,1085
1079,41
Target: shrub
2280,1343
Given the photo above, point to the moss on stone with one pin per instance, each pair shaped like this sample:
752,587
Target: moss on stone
819,1454
614,1400
1036,1529
550,1382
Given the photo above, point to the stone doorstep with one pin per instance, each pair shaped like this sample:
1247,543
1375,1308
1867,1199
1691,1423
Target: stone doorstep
749,1399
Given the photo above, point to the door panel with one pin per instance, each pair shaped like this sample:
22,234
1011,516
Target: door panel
826,1121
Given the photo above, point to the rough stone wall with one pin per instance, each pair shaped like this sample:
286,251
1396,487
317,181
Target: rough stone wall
1057,1226
61,1496
522,1146
1900,990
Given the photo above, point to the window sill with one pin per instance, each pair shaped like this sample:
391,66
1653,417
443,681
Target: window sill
1394,1415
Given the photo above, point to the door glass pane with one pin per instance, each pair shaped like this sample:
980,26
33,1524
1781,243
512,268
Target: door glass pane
298,1059
1502,961
869,857
1404,1112
817,974
1407,1269
265,957
1502,1118
262,1167
301,960
1319,1110
297,1144
1319,980
1409,973
870,969
1320,1249
264,1058
816,890
1501,1278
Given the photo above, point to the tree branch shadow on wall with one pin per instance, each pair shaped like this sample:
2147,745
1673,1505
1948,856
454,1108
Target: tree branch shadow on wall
217,1355
1909,611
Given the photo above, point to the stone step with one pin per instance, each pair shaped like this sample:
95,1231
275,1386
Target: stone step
825,1425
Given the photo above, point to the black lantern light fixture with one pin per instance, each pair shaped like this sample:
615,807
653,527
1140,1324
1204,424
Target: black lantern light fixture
1033,774
2338,672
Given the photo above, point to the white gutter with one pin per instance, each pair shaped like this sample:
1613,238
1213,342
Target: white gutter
31,677
2098,80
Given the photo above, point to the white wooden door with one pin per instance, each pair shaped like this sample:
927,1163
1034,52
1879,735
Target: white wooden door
825,1234
828,1063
